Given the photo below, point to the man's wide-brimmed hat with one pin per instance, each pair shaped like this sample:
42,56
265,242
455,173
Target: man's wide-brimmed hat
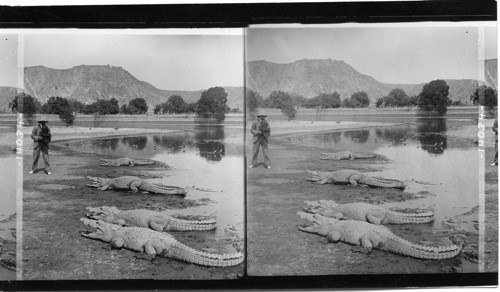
261,115
43,119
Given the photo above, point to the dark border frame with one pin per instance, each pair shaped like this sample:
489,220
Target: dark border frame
243,15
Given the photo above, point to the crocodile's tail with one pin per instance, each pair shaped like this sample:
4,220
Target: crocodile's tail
143,162
393,217
178,224
360,155
398,245
183,252
168,190
383,182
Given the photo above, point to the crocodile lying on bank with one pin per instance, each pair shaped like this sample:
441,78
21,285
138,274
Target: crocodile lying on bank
149,219
156,243
126,162
346,155
366,212
135,184
354,177
371,236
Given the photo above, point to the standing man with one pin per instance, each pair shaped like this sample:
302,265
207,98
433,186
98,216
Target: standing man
41,138
495,129
261,132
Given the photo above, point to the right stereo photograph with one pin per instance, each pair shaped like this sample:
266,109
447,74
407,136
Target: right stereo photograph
371,149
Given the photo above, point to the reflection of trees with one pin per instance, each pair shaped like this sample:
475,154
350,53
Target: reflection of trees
432,135
327,137
113,143
210,142
358,136
174,142
396,135
135,142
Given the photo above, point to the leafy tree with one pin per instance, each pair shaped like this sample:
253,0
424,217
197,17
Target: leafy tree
434,95
25,104
359,99
298,100
379,102
54,105
102,107
283,101
137,106
158,109
324,100
212,103
253,100
76,106
124,110
346,102
484,95
66,115
175,105
191,107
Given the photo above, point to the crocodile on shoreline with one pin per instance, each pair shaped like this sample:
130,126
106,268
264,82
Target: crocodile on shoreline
354,177
149,219
370,236
154,243
125,161
346,155
134,184
366,212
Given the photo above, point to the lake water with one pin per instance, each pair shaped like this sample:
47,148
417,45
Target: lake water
444,167
207,160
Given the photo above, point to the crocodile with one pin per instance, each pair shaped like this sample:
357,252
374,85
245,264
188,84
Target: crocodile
125,161
346,155
154,243
150,219
366,212
135,184
370,236
354,177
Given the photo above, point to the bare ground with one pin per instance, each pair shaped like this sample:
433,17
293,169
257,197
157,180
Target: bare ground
53,205
277,247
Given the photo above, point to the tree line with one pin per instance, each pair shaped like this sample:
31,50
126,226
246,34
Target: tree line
212,104
434,96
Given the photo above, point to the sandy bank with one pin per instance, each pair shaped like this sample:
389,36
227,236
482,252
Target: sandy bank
61,133
279,128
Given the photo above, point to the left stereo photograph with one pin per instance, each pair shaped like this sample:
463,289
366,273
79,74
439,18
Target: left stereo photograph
130,158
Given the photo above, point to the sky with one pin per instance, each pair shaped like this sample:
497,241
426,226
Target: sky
8,60
191,61
199,59
390,54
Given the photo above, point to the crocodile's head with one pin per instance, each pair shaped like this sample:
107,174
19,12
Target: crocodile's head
105,213
323,207
104,231
321,224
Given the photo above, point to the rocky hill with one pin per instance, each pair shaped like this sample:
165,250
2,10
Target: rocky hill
89,83
311,77
490,72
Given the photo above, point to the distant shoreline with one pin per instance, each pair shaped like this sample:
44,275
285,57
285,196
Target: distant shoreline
453,111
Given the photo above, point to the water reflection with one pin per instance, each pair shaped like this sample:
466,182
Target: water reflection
138,143
358,136
432,135
207,141
210,143
398,136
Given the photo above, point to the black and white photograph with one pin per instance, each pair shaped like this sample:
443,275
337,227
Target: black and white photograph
364,152
8,159
132,154
267,146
